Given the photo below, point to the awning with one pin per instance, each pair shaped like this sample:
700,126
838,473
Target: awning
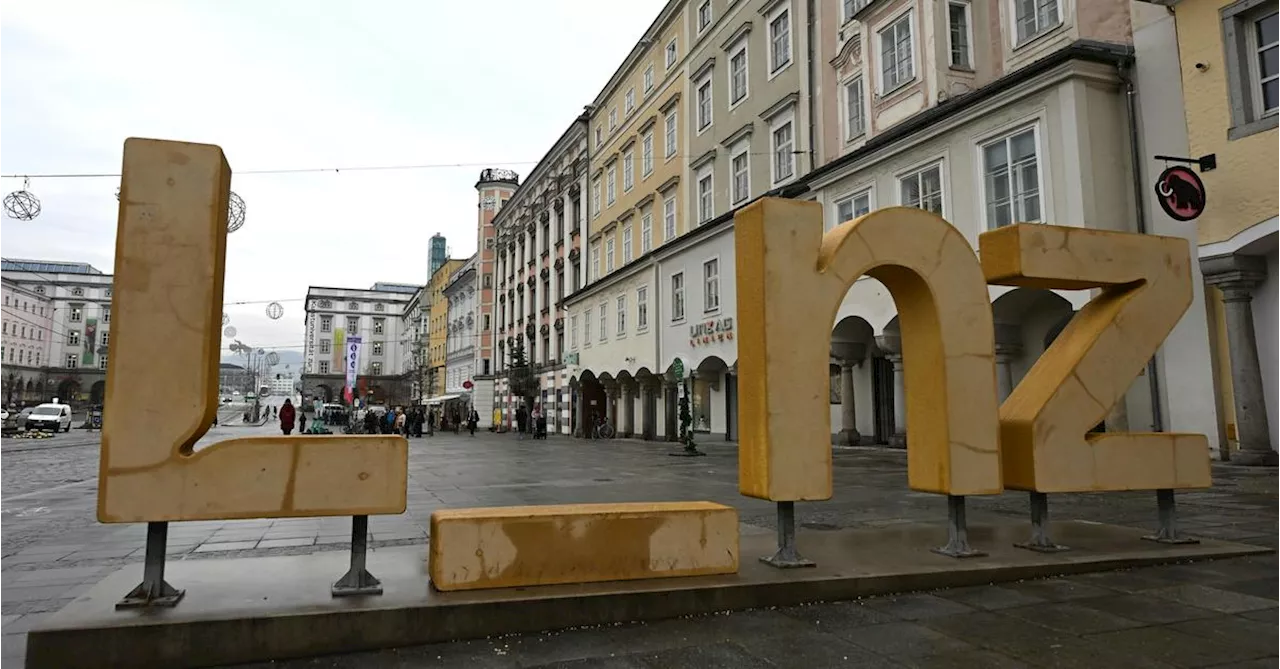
440,399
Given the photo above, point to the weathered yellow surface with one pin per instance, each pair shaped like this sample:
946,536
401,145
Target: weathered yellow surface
1145,283
505,547
162,381
797,275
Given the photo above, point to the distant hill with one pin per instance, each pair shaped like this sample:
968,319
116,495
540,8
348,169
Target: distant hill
293,358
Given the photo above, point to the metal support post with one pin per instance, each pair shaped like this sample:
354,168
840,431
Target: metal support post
1040,541
787,557
153,591
957,531
1168,510
357,580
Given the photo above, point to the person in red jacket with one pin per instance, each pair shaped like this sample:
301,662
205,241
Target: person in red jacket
287,416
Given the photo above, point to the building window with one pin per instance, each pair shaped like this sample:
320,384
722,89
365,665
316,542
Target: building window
586,327
375,368
740,166
784,159
377,348
77,292
73,337
353,324
704,16
613,119
73,360
77,313
379,307
677,297
671,54
488,319
670,139
604,321
628,170
353,306
599,135
738,74
669,218
922,189
622,315
595,260
1011,179
595,196
779,40
896,63
40,290
326,323
706,196
648,79
326,347
106,338
608,255
646,232
629,100
573,332
109,292
958,37
102,360
106,315
626,244
711,285
379,325
851,207
1034,17
855,105
646,154
704,104
642,308
1250,34
611,185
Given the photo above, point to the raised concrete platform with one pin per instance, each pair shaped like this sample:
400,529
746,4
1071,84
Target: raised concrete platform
254,609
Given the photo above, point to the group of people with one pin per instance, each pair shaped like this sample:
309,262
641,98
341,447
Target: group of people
405,422
534,421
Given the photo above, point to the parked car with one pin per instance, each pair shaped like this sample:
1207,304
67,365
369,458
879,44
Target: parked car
49,417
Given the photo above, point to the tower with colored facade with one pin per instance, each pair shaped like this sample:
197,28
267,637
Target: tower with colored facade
438,255
493,189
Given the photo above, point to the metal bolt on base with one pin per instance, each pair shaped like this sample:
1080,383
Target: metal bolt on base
957,531
1040,541
1168,510
787,557
357,580
153,591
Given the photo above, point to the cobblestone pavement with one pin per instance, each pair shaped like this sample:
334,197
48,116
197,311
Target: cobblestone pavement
1192,615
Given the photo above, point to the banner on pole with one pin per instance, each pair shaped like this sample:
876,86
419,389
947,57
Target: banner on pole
351,362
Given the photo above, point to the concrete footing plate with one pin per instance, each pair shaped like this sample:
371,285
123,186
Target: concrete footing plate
255,609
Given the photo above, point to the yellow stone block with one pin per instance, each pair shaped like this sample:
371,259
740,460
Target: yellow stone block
1145,283
162,379
797,278
505,547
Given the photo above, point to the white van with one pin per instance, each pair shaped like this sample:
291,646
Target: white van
50,416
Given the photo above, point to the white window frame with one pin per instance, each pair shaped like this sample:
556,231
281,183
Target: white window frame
628,170
629,101
850,132
595,197
611,185
891,24
783,119
705,21
375,368
73,338
599,135
1005,134
739,49
326,347
648,79
916,171
102,360
586,328
642,308
669,228
711,286
1254,49
671,136
609,256
677,297
1040,31
671,53
323,367
627,245
646,154
353,324
621,325
863,191
326,323
613,119
775,67
377,348
698,107
737,195
705,201
604,322
72,360
379,325
646,232
573,332
968,64
77,313
595,260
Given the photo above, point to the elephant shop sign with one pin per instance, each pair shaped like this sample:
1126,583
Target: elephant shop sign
711,332
1180,191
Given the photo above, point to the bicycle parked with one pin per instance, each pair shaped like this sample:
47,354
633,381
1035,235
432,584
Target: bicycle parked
603,429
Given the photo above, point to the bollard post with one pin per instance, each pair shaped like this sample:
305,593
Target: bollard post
957,531
153,591
357,580
787,556
1168,511
1040,541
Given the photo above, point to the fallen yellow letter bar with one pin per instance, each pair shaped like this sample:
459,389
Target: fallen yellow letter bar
514,546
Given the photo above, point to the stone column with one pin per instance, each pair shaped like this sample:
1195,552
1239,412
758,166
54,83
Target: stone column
625,425
671,402
1236,277
1005,354
899,437
580,426
611,395
647,423
848,416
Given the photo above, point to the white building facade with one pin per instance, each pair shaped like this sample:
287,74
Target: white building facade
332,315
461,350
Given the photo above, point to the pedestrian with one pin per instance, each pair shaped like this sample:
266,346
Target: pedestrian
522,421
418,419
302,421
401,421
389,424
370,422
286,417
472,420
541,425
534,417
431,422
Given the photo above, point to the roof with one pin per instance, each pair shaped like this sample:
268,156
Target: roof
47,266
395,287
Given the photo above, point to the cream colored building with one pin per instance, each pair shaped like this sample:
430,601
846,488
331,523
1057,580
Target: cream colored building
438,327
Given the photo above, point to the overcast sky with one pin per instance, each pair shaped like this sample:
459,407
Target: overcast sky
294,84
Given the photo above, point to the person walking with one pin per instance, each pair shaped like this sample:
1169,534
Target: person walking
522,421
431,422
472,420
370,422
286,417
302,421
401,421
389,422
534,416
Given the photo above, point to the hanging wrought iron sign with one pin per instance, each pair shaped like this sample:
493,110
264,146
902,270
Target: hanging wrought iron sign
22,205
1181,193
275,310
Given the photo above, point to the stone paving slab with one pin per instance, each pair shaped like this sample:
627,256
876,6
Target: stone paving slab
279,607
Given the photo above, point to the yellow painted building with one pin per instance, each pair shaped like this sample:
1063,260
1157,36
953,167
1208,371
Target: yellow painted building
637,158
1228,58
438,330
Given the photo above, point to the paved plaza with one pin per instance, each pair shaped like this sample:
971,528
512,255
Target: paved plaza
1194,615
